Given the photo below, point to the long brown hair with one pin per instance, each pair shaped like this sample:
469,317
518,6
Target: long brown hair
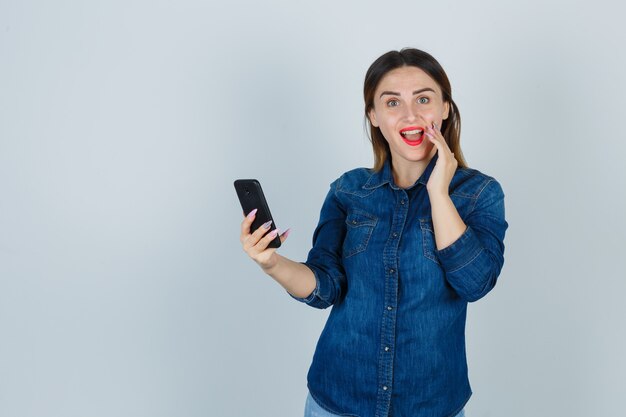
450,127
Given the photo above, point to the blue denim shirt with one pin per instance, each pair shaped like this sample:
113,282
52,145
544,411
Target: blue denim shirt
394,342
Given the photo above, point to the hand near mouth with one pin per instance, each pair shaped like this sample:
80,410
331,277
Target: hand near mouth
447,223
445,167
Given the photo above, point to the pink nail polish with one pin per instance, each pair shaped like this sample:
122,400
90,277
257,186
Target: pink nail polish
274,233
267,224
286,233
252,213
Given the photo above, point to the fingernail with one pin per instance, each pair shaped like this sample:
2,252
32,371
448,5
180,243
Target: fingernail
252,213
274,233
267,224
286,233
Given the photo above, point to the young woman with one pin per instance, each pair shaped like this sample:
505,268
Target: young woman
399,251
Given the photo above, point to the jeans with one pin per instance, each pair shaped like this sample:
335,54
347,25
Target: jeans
312,409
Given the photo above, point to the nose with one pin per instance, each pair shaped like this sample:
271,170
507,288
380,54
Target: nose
412,114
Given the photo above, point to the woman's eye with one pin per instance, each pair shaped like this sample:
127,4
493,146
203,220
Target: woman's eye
423,100
393,103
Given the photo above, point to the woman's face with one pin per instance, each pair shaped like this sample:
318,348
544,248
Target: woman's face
406,101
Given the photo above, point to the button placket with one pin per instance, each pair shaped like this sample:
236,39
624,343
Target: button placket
389,317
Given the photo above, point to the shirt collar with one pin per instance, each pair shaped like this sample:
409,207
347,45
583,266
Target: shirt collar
385,175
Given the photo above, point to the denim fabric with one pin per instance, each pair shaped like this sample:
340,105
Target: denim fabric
394,342
313,409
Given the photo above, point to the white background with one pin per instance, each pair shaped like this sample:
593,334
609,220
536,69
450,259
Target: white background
123,287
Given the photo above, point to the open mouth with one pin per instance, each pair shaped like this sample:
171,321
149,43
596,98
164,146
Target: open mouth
412,135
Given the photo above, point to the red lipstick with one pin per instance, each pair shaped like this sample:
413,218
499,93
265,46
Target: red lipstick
414,139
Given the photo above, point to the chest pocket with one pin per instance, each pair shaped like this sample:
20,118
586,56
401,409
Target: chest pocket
428,239
360,226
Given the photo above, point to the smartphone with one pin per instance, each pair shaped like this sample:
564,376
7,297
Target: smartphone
251,197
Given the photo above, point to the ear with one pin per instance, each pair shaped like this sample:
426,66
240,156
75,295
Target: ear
446,110
372,116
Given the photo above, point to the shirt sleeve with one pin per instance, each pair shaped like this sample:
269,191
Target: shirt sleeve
325,257
473,262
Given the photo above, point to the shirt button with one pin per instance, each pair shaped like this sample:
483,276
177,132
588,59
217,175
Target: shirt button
353,221
395,234
391,271
386,348
402,202
385,388
389,308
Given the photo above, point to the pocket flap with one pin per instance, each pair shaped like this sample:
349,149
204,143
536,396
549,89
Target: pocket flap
360,218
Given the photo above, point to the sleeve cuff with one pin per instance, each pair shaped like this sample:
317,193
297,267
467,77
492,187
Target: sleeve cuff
461,252
314,299
309,299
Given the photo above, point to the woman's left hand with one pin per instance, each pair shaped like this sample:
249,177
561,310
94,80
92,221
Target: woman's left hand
446,164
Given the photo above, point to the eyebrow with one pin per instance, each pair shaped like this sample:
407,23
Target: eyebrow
393,93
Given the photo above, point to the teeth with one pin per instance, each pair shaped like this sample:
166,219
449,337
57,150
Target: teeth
411,132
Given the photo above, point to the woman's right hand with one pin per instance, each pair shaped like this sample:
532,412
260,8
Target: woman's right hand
255,244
